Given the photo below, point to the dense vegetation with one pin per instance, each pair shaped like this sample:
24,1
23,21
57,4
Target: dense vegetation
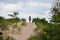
40,23
3,23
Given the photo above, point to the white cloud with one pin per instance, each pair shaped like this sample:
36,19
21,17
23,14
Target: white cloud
24,6
10,6
44,4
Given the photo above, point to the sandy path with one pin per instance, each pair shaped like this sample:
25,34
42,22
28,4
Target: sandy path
26,32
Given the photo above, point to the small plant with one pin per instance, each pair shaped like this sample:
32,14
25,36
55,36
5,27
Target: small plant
1,38
23,19
15,26
10,38
23,22
3,23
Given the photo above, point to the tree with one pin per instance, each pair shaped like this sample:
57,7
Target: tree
55,15
14,14
14,18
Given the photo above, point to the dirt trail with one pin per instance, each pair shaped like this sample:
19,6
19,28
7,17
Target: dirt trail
26,32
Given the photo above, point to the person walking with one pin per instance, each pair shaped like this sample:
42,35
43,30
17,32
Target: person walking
29,18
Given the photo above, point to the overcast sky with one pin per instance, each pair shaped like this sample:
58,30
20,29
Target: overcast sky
34,8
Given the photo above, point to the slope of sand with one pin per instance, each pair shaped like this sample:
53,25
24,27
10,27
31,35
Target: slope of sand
26,32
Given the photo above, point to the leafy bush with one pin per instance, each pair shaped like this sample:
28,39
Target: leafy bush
13,20
53,32
1,38
41,21
34,38
23,22
10,38
3,23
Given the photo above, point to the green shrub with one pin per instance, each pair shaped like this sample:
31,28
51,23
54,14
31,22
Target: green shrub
3,23
24,20
13,20
1,38
23,24
10,38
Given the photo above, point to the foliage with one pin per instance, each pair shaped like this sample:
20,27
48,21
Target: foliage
23,22
41,21
53,31
36,37
14,14
1,38
15,26
3,23
10,38
13,20
55,15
